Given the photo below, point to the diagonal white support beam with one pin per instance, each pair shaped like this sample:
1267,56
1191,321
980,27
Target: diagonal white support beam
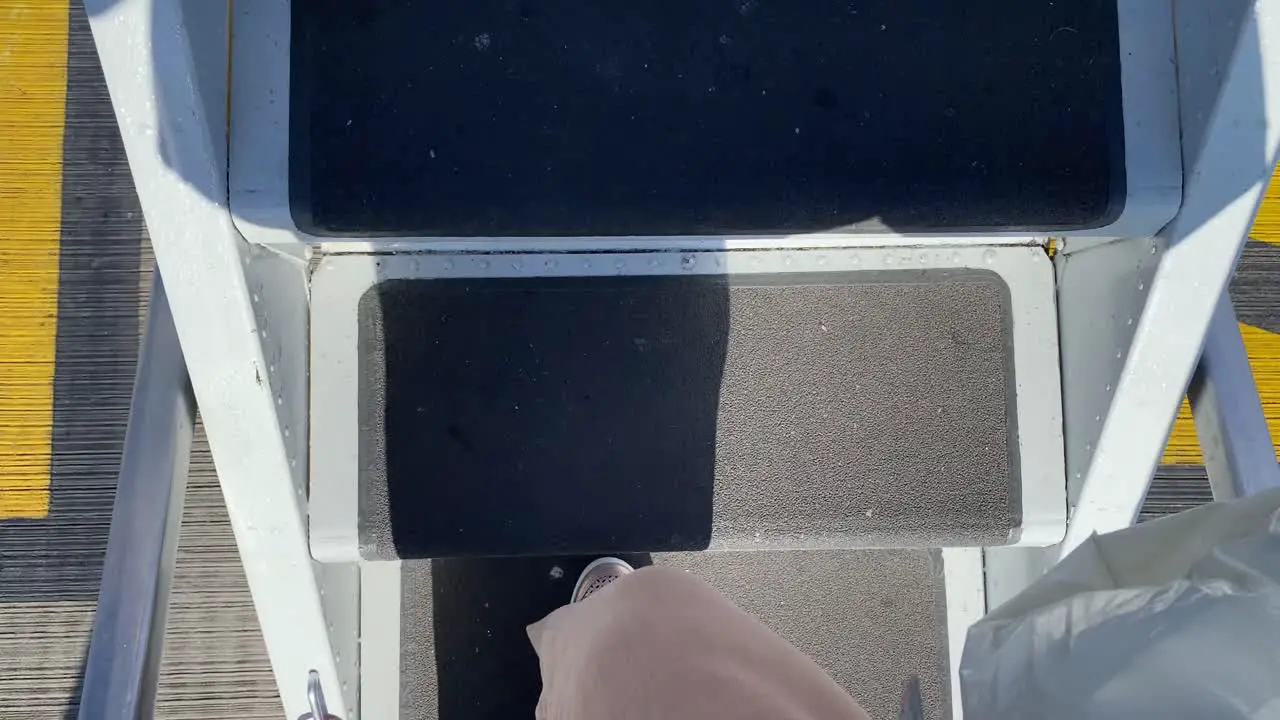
122,665
165,67
1238,450
1231,140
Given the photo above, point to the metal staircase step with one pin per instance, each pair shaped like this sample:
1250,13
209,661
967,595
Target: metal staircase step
541,118
825,400
870,618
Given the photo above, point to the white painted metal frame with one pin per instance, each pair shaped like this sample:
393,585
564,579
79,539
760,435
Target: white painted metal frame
1230,94
380,650
340,281
123,662
1101,293
238,306
966,604
1239,453
260,153
1134,313
165,62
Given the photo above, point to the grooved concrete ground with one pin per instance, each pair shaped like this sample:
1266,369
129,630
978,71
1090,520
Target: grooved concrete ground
65,382
215,664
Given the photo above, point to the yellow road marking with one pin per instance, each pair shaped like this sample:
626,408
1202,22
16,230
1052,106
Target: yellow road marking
1263,348
1264,355
33,86
1266,227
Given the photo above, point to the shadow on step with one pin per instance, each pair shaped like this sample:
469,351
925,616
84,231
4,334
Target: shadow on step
545,416
485,666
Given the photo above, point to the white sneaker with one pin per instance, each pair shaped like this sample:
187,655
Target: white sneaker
599,574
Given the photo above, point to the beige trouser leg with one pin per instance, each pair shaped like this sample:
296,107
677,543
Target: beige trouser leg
661,644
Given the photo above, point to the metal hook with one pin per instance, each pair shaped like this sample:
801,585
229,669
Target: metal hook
315,699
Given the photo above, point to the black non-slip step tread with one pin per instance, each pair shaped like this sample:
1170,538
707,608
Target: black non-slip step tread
548,117
578,415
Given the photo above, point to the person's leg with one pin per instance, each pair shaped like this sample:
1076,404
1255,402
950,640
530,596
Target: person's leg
661,644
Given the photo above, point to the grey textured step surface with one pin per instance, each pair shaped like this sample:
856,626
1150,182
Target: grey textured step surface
786,411
870,618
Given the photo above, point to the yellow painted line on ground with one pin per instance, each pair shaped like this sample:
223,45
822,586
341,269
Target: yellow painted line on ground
1263,348
1264,356
1266,227
33,89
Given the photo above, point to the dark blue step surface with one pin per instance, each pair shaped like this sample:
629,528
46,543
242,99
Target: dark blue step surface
550,117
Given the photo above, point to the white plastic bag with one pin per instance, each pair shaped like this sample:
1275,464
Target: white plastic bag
1175,618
